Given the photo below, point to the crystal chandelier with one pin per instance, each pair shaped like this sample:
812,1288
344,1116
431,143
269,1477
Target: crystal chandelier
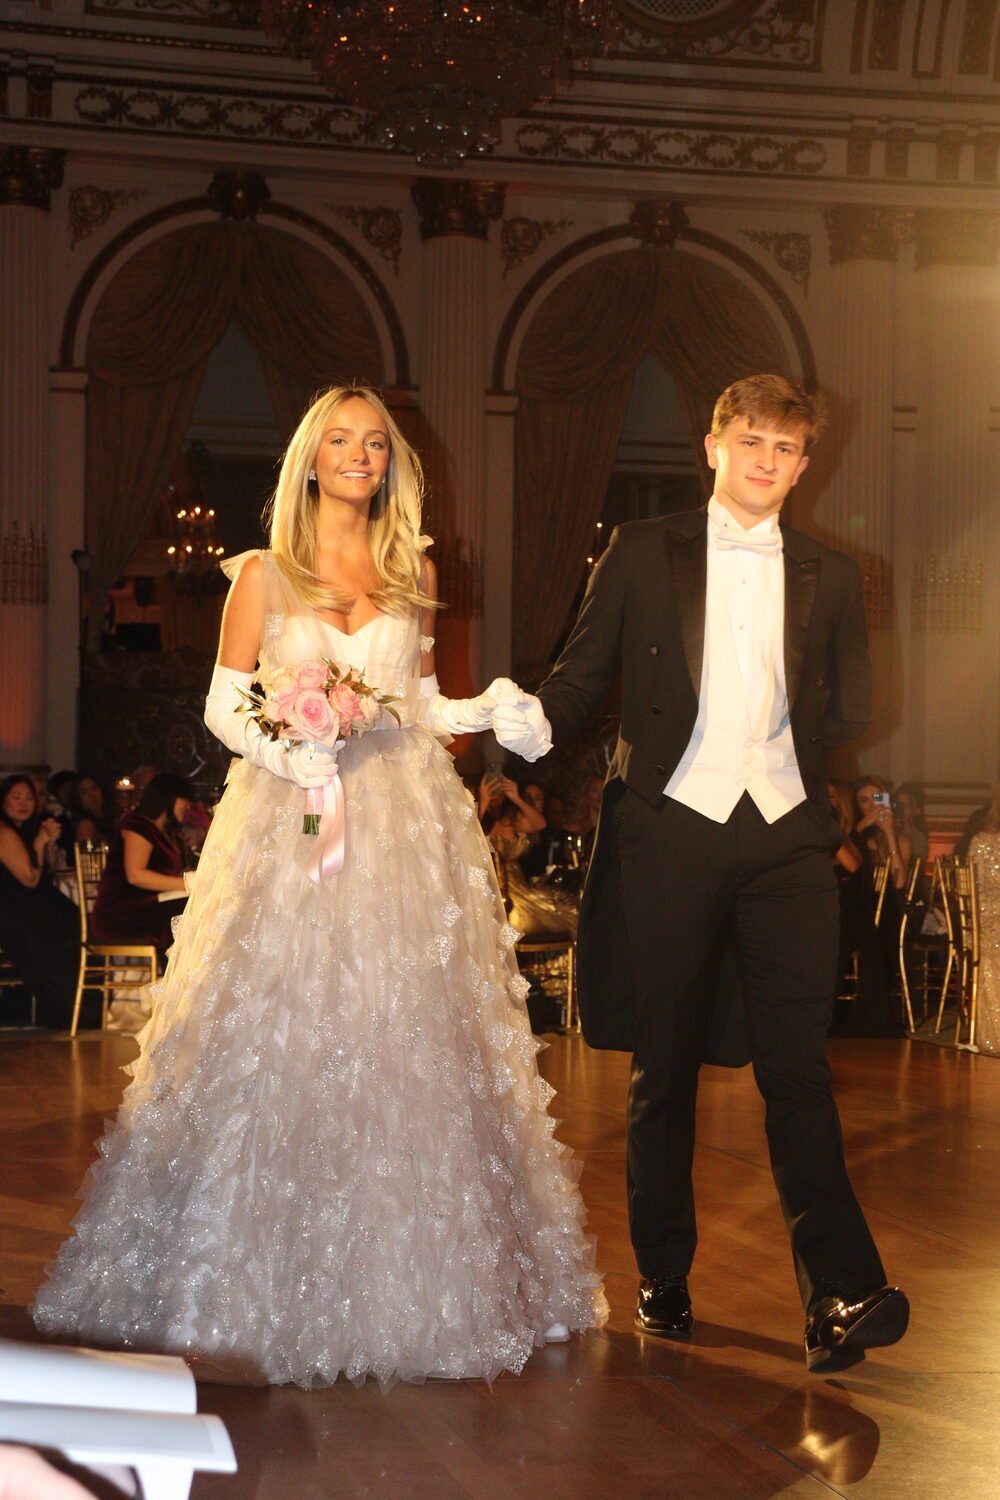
436,76
193,554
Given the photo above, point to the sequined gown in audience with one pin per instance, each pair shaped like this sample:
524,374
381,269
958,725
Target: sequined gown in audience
985,851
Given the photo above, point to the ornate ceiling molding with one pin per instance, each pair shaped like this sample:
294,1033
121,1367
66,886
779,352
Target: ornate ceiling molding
456,206
860,232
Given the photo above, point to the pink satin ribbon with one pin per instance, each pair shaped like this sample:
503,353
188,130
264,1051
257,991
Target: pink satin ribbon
327,857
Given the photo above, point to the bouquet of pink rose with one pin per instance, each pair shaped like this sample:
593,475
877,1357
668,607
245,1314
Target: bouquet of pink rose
315,703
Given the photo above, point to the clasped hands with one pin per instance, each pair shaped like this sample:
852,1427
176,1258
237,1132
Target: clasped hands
518,720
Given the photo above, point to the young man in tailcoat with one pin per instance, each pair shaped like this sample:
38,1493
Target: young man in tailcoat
743,654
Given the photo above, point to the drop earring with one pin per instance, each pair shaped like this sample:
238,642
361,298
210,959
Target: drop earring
312,485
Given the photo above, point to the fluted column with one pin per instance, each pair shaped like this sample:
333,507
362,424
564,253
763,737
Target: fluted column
26,179
955,608
454,225
857,510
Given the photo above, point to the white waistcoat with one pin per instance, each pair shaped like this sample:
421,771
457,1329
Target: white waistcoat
742,738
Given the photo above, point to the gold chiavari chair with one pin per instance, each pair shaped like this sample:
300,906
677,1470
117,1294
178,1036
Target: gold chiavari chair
105,966
880,880
962,915
917,948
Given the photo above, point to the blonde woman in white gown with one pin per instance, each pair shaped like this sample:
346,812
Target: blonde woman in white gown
985,851
335,1155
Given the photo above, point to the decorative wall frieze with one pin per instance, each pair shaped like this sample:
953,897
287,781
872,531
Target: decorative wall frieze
24,565
957,237
775,34
885,36
382,228
858,232
791,250
90,207
242,14
450,206
648,146
213,112
239,196
28,175
521,237
658,223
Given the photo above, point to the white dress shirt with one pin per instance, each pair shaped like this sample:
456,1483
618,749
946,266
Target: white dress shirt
742,739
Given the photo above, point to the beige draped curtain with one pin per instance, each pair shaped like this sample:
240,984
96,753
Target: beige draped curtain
574,378
151,336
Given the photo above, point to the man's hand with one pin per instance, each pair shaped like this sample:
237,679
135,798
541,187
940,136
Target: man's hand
519,724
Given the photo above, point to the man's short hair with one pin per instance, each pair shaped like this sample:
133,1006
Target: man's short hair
773,400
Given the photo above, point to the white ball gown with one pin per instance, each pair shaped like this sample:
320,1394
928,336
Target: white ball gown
335,1155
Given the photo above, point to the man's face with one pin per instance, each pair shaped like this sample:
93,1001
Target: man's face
755,466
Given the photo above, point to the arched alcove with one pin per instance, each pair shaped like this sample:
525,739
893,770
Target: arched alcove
152,332
580,344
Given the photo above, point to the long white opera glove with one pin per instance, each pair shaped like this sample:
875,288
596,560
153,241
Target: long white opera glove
519,724
458,715
303,765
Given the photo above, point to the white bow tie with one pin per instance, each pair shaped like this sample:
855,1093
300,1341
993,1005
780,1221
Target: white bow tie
767,545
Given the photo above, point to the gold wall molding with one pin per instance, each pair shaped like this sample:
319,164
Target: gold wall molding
456,206
520,238
946,596
648,146
28,174
90,207
764,35
241,14
857,232
791,250
382,228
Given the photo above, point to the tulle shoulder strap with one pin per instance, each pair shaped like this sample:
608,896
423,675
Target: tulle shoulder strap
233,566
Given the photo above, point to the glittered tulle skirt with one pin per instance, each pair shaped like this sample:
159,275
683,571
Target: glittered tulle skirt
335,1155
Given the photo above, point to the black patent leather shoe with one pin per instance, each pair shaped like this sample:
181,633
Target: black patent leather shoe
664,1307
839,1329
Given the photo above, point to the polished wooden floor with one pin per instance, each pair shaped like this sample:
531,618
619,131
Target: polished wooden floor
732,1415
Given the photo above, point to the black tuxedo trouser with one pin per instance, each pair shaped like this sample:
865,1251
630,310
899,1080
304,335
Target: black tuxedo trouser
691,885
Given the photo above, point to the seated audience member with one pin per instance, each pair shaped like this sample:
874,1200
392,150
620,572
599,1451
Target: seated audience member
94,822
489,797
863,1006
61,788
583,824
39,926
909,808
974,824
533,910
876,833
146,857
529,823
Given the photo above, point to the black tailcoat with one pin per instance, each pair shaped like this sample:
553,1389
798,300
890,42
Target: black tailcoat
644,615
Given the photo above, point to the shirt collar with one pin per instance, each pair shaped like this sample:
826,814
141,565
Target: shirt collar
724,520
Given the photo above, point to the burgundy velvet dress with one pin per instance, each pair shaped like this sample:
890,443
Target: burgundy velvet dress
123,910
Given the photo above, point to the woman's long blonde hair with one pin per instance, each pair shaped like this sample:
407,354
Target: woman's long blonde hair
394,534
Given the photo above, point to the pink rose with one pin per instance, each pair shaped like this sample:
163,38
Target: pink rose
348,707
310,674
312,717
279,704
